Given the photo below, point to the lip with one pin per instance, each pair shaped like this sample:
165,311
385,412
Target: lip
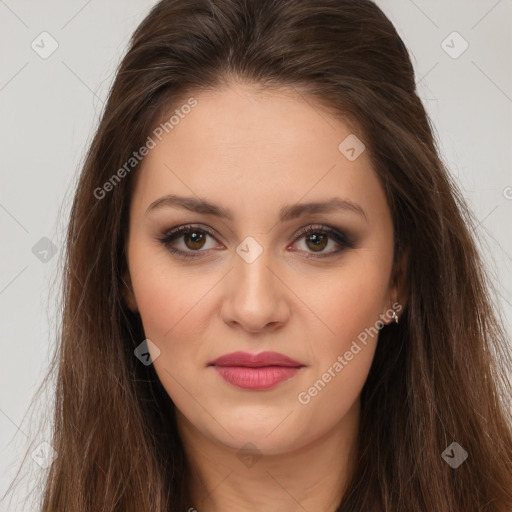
255,360
256,372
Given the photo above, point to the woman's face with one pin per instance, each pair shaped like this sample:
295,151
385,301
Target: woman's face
242,166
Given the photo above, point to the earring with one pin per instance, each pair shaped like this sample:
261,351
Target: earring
395,317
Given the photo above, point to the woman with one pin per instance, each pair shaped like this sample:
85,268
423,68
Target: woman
273,300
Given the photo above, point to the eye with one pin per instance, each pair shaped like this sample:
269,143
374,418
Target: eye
192,239
315,239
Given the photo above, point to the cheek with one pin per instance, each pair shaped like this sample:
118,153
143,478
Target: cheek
350,305
172,304
348,302
167,295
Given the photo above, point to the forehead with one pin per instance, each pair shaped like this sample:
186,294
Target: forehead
266,144
270,122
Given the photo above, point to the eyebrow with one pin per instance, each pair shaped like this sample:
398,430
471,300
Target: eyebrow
286,213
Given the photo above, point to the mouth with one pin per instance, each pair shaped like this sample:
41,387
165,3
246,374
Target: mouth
256,372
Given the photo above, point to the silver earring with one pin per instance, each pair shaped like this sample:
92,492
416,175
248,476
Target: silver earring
395,317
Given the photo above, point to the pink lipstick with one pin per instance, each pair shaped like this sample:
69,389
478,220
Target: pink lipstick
256,372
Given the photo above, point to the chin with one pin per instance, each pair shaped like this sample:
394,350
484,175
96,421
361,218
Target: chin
269,437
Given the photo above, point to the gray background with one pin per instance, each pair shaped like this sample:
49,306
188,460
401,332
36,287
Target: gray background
50,107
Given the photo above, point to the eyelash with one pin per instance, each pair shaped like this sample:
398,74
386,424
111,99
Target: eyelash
175,233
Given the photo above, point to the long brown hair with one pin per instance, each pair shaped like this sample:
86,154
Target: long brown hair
437,377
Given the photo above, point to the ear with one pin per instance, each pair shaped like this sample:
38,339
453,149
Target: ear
398,291
127,291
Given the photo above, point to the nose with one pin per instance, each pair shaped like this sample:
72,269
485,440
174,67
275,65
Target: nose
255,296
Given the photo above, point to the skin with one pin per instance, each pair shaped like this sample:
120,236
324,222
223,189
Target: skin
254,151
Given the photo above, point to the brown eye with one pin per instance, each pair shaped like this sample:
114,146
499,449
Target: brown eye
317,242
188,241
316,238
194,240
